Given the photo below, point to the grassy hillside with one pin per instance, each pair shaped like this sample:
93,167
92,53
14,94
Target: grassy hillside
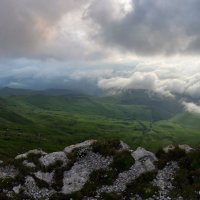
187,120
53,122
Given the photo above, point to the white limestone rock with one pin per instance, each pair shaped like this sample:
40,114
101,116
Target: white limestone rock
32,190
34,151
142,153
168,148
28,164
17,189
186,148
8,171
124,146
164,179
47,177
52,158
75,178
144,162
87,143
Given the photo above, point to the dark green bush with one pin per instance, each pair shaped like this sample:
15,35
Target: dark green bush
40,183
187,178
173,155
6,183
106,147
142,186
58,178
34,158
122,161
111,196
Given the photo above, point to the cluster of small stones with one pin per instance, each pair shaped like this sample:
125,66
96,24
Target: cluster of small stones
75,177
164,180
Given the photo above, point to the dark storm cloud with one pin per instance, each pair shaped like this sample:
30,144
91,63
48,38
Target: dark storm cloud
152,27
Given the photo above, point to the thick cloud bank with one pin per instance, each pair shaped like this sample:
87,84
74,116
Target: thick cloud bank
151,27
164,79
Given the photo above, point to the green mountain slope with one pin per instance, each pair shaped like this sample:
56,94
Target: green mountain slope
186,119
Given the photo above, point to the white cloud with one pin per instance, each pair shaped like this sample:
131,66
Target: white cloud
168,79
192,107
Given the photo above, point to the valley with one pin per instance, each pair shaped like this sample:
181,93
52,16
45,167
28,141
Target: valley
51,122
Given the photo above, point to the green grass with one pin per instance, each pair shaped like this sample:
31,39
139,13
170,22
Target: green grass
54,122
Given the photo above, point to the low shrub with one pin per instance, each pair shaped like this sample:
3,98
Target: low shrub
111,196
106,147
174,155
142,186
122,161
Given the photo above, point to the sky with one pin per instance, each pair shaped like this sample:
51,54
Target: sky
111,44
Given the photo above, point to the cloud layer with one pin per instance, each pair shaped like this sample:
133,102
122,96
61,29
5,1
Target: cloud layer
113,44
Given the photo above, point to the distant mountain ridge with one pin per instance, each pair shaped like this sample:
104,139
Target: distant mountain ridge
6,91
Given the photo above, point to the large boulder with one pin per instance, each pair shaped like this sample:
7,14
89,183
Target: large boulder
141,153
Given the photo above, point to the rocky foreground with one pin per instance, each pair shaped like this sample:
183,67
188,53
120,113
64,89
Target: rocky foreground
103,170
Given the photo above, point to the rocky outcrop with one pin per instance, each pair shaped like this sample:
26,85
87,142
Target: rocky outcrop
144,162
59,175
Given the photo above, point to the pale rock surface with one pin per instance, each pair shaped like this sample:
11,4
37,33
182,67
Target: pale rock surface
34,191
17,189
34,151
124,146
52,158
87,143
186,148
28,164
168,148
164,180
75,178
8,171
144,162
47,177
